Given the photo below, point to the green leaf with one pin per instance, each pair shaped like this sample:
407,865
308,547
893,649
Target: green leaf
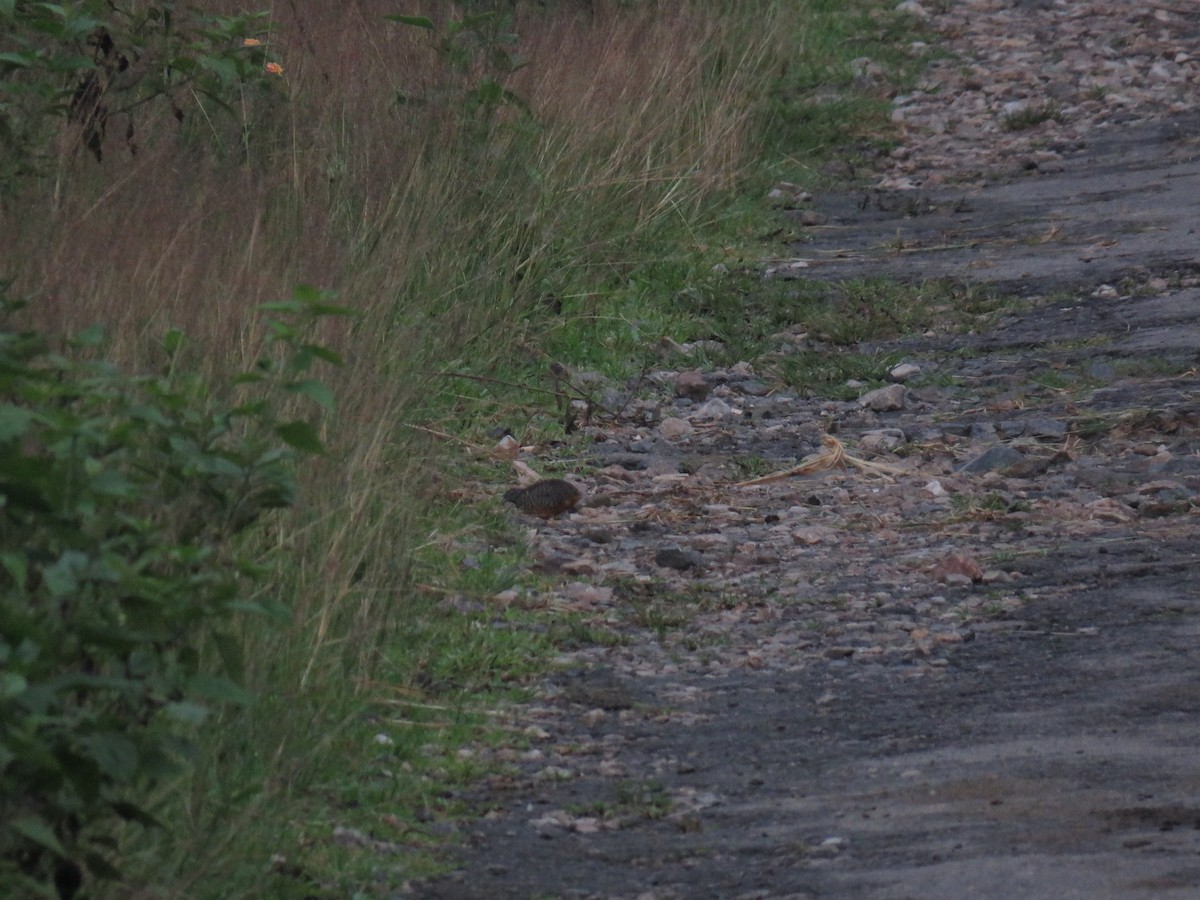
186,712
115,754
131,812
12,684
17,565
69,63
14,421
100,867
172,341
326,354
39,832
331,309
314,390
223,68
306,293
91,336
230,650
212,464
248,606
112,483
283,306
62,578
300,435
215,687
19,60
416,21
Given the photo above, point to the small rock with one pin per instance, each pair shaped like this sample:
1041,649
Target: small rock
598,534
1046,429
553,773
508,447
714,409
589,594
904,372
1029,467
587,380
672,428
881,440
506,597
884,399
351,837
993,459
610,768
594,717
913,8
814,534
753,388
957,568
865,68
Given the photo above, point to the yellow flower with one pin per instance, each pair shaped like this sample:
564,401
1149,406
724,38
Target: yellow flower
251,42
274,69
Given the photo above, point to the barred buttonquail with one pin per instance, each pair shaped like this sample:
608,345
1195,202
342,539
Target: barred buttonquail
545,498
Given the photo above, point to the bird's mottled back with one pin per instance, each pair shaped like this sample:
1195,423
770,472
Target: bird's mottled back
545,498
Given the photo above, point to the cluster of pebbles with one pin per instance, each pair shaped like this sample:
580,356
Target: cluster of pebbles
698,571
696,566
1027,80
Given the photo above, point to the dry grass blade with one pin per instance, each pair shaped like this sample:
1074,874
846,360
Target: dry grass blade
832,455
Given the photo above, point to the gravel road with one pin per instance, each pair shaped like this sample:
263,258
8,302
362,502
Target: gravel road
977,673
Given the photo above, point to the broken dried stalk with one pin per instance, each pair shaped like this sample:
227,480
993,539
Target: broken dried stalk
833,454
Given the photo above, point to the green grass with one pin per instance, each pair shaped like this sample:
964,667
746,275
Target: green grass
478,249
826,373
1032,116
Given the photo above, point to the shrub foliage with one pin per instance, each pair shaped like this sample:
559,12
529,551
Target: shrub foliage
124,574
95,65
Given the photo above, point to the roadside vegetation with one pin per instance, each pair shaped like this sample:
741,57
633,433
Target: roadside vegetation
273,284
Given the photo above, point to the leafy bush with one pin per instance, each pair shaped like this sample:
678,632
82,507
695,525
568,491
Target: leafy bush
97,62
122,582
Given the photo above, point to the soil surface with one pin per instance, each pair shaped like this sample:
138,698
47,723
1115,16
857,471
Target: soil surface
973,672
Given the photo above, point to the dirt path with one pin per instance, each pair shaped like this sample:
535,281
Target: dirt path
979,677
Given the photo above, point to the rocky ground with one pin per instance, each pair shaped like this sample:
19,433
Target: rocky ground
970,669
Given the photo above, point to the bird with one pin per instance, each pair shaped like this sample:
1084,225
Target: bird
546,498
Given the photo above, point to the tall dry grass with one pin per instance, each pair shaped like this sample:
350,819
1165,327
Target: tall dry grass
441,235
423,225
